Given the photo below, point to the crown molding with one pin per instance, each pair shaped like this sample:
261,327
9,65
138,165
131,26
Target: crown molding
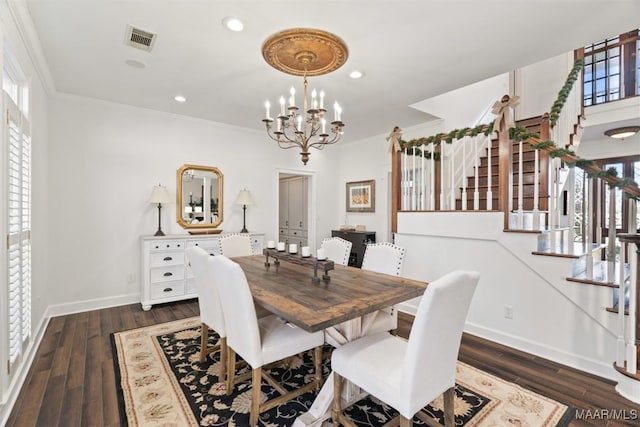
26,29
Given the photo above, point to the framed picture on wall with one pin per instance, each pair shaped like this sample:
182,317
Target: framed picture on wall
361,196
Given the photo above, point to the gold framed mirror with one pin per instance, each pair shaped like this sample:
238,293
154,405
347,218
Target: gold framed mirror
199,201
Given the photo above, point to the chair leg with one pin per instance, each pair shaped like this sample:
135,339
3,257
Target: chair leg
204,337
223,359
336,410
405,422
317,358
449,416
231,369
256,382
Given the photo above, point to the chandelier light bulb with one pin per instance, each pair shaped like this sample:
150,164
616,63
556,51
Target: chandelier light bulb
267,105
292,100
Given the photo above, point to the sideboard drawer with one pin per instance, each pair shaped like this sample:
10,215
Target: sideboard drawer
158,259
167,245
166,274
166,290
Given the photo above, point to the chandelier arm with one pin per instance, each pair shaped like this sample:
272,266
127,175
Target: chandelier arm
319,145
293,143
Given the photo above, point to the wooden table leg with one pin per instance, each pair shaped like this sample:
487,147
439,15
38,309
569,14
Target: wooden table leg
320,410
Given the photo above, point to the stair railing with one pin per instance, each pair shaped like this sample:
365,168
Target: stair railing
627,348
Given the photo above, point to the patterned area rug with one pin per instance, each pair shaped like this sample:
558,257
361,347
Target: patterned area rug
163,383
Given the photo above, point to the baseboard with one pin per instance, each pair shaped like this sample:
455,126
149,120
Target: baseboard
30,352
581,363
93,304
23,369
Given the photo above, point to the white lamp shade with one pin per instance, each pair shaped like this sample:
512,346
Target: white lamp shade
159,195
244,198
188,209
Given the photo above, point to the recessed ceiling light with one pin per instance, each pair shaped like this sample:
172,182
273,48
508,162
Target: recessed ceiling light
623,132
135,63
233,24
180,98
356,74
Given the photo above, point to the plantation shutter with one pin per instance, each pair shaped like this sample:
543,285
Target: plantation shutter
19,228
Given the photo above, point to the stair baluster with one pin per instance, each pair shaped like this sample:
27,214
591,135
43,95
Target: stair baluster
536,190
587,219
611,238
520,187
489,176
571,206
432,178
465,140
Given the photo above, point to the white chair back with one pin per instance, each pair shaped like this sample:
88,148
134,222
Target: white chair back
235,244
337,249
240,316
208,297
434,340
383,258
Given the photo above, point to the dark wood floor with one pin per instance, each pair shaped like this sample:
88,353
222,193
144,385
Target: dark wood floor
72,382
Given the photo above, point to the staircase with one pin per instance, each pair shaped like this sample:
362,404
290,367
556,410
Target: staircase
528,175
526,265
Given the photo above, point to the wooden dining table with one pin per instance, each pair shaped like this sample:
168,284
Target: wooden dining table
344,305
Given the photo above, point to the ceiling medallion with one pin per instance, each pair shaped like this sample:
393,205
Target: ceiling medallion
303,124
305,51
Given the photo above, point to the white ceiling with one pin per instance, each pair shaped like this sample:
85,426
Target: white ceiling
409,50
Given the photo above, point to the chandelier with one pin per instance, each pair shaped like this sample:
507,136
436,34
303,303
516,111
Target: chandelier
304,52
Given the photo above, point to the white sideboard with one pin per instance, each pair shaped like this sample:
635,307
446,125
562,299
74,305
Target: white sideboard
165,273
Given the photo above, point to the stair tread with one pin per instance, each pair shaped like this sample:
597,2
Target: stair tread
575,250
600,274
615,310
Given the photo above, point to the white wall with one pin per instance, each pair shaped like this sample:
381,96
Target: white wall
538,85
104,160
552,317
469,105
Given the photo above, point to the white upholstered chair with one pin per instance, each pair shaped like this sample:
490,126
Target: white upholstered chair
210,306
337,249
407,375
259,342
384,258
235,244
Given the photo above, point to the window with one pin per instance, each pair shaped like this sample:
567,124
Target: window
627,167
611,69
17,167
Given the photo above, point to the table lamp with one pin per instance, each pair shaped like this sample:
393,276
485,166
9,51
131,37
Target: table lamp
244,198
159,195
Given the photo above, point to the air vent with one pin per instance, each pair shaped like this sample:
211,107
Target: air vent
140,39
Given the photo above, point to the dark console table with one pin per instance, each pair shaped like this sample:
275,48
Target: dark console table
359,239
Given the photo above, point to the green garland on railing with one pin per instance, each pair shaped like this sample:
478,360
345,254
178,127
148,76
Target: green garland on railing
558,104
447,137
517,133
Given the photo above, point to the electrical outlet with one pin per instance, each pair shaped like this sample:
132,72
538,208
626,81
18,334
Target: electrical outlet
131,278
508,312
